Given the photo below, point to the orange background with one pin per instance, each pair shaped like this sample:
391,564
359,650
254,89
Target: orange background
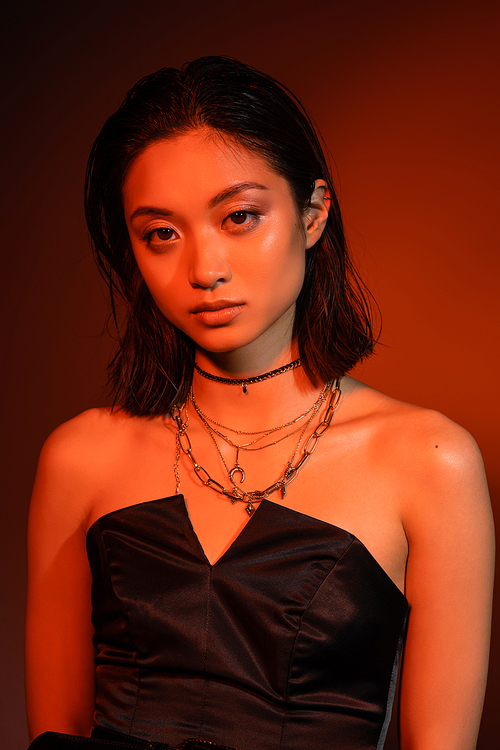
406,96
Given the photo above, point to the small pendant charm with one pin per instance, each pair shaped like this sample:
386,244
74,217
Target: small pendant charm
250,508
245,388
236,495
237,470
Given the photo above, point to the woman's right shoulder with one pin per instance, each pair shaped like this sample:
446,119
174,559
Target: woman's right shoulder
81,457
87,438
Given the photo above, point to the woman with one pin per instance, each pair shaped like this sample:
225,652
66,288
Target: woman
266,606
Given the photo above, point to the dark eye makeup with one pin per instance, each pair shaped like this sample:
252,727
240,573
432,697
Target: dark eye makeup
244,218
160,234
238,219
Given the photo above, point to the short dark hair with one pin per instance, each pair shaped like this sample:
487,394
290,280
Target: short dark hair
152,367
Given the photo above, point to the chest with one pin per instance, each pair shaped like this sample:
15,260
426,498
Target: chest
343,483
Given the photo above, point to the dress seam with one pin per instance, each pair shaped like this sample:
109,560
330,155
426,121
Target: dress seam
205,655
117,598
292,650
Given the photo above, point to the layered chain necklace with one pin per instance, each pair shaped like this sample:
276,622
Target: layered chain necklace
330,394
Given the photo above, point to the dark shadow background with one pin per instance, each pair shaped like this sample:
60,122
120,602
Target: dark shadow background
406,95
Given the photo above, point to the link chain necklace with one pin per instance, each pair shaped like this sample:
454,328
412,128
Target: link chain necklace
293,467
251,446
238,469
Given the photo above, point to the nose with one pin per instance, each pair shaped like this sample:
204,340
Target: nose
208,266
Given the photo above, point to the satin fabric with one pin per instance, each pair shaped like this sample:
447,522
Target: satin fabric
290,640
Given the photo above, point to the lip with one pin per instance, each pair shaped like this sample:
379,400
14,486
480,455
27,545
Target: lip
215,305
217,313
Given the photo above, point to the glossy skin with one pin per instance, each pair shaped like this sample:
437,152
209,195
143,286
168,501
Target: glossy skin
406,481
232,237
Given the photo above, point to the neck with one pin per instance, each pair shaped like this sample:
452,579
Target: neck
249,361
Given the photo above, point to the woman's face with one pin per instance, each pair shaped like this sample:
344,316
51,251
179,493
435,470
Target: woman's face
218,240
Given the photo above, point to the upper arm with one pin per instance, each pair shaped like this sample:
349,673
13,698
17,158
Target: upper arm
449,586
59,651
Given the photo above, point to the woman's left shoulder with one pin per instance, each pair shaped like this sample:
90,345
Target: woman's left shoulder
423,434
433,456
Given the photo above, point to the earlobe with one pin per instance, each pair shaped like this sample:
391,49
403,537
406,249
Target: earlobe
316,216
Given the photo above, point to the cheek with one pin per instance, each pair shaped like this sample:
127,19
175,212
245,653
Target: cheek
158,274
159,280
282,261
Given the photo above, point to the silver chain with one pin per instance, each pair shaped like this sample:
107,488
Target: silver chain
265,433
236,494
237,468
257,432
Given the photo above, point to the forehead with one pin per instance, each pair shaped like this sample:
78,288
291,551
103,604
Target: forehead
200,163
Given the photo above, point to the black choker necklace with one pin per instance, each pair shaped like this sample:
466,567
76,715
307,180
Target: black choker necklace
244,382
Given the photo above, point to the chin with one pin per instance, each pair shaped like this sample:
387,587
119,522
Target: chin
222,341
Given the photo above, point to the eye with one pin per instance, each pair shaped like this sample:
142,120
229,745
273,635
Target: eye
243,219
162,233
239,217
158,236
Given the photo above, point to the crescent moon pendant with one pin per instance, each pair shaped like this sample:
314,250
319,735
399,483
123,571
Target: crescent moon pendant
237,470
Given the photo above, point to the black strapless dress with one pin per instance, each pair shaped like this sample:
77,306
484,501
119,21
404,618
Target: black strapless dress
289,641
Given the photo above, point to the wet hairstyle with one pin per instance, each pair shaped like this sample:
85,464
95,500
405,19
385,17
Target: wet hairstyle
153,364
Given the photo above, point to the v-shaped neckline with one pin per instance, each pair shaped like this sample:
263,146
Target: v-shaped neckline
235,539
244,531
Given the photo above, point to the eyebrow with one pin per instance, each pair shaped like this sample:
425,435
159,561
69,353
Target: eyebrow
150,211
224,195
230,192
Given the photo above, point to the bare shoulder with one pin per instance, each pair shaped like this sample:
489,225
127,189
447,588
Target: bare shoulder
93,424
436,462
80,457
422,435
94,438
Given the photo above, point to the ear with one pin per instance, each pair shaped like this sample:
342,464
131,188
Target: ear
316,215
